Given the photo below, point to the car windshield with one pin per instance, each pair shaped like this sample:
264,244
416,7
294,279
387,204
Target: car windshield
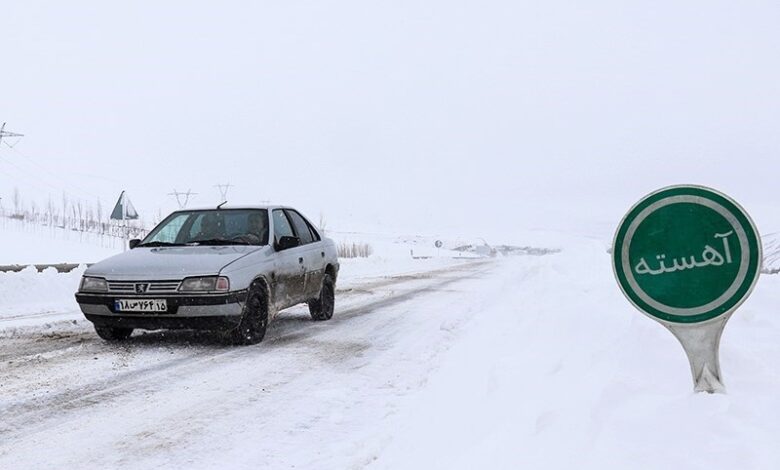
211,227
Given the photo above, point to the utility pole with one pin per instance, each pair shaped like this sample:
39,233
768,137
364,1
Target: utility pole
182,199
223,190
5,133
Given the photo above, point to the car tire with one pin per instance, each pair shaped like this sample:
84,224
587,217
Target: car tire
110,333
254,318
322,307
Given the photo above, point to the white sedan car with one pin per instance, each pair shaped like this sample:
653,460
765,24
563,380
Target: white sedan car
228,269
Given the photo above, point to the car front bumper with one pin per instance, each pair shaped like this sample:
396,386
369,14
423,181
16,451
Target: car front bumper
207,311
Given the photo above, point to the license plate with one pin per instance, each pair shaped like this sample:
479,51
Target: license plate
140,305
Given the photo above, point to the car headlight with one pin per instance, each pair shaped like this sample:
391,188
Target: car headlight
205,284
93,284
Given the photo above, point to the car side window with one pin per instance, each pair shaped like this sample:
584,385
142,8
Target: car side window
314,235
301,228
282,226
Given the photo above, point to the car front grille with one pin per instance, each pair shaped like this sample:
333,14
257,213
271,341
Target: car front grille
143,287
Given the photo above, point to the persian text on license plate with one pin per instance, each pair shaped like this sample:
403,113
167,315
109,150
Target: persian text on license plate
140,305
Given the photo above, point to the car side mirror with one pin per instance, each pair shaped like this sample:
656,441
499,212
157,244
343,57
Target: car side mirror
134,243
287,242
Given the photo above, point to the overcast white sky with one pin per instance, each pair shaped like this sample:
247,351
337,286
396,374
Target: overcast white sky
399,116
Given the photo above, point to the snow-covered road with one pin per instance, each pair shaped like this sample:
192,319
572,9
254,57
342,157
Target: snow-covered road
312,395
522,362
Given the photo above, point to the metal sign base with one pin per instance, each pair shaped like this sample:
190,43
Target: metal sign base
701,342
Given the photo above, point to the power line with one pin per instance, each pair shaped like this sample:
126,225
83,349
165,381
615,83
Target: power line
182,198
223,190
40,177
5,133
37,174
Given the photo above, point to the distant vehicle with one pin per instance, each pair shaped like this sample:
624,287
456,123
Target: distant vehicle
227,269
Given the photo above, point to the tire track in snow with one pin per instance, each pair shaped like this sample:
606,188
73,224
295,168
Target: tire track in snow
25,316
320,345
19,349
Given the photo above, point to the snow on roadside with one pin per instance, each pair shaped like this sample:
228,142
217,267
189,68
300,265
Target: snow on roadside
30,292
561,372
354,269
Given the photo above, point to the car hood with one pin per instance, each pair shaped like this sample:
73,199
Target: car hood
175,262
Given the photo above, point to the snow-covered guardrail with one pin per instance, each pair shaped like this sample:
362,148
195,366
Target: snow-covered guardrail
60,267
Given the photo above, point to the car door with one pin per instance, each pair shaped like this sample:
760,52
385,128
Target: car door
289,268
313,254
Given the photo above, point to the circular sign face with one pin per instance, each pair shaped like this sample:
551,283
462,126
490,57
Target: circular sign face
686,254
438,244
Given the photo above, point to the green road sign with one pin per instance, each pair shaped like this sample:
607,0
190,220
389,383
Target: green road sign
686,254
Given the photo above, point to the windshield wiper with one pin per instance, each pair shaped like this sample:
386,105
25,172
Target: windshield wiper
160,244
217,241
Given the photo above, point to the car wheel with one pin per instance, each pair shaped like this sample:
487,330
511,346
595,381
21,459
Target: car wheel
322,307
254,318
110,333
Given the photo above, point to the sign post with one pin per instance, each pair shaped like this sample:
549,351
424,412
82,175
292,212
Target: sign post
687,257
124,210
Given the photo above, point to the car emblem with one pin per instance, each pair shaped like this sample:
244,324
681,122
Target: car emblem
141,288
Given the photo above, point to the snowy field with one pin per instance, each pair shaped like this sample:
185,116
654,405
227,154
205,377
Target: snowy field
518,362
31,244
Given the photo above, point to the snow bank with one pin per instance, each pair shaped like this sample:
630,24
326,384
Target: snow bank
356,269
561,372
29,292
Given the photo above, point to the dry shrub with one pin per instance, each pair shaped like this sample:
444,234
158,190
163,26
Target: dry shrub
354,250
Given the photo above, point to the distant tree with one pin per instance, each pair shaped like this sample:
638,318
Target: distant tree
322,222
50,211
80,217
17,198
64,208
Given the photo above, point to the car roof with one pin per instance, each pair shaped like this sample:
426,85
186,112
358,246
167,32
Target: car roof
229,207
